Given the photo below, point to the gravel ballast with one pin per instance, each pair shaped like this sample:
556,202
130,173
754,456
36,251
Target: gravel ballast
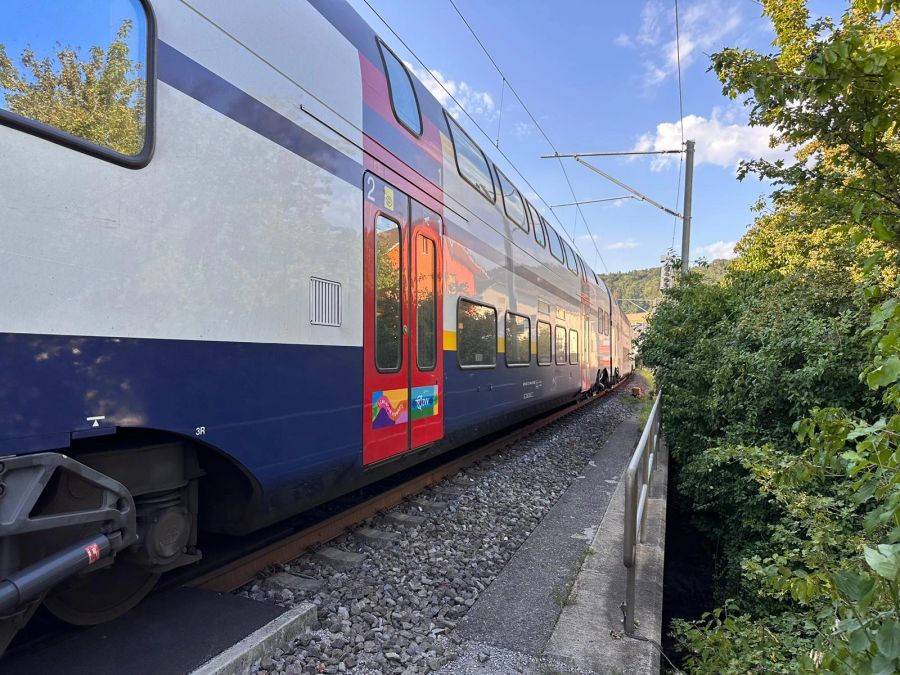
396,611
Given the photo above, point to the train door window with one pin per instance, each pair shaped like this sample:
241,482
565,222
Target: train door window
518,340
538,227
512,201
388,295
560,345
426,308
80,74
544,344
470,161
570,258
402,91
556,249
573,347
476,335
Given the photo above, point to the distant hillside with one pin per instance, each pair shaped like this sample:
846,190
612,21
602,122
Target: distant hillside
644,283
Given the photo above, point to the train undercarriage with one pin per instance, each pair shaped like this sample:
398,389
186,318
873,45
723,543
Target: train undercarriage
89,538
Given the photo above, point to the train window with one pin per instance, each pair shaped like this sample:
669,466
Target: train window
518,340
476,335
470,161
583,269
570,258
560,345
544,344
426,309
80,74
573,347
538,228
556,249
512,201
402,91
388,254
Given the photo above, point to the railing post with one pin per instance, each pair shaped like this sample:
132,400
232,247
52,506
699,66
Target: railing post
637,495
629,600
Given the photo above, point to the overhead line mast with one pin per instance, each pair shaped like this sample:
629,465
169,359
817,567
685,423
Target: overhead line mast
688,186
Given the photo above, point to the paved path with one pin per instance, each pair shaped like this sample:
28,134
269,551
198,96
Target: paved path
555,606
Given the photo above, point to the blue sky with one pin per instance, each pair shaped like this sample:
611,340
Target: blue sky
601,76
78,23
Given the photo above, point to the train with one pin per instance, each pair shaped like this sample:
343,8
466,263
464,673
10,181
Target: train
249,263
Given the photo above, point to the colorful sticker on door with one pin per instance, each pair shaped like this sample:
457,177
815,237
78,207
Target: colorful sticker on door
424,402
389,408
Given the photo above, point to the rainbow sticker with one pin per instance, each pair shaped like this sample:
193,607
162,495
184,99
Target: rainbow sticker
389,408
424,402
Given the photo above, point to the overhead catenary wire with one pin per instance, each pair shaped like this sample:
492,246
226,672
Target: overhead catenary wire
542,132
680,119
477,125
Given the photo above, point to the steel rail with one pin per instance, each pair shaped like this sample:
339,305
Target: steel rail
237,573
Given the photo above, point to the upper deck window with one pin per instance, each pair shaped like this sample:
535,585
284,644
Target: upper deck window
403,93
582,268
80,74
512,202
470,161
538,228
555,246
570,258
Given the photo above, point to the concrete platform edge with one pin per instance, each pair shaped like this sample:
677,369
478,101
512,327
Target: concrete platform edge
588,634
277,633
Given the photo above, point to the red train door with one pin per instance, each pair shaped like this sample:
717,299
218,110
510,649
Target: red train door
403,335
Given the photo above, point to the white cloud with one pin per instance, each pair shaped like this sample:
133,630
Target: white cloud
703,25
716,250
523,129
474,101
618,245
722,140
652,16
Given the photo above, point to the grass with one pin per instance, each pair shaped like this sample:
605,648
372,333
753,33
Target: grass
649,395
566,596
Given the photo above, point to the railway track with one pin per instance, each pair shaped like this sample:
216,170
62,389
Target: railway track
283,543
236,573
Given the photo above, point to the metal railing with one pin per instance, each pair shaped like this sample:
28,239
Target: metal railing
637,492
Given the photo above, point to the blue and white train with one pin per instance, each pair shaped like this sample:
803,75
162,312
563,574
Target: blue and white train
248,263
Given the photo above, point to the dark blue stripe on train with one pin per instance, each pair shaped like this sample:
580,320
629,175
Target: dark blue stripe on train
290,415
200,83
401,144
279,410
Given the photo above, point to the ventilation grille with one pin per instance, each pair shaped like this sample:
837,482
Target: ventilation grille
324,302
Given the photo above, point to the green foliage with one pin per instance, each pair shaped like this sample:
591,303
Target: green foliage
644,284
782,383
100,98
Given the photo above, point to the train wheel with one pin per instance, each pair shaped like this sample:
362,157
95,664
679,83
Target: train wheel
100,596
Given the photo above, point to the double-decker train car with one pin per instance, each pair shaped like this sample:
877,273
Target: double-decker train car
248,263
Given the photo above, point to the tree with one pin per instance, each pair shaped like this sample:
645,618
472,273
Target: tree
101,99
810,511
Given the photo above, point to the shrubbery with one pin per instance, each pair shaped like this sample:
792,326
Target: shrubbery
782,402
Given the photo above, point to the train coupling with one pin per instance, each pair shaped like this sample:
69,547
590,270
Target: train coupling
58,518
21,587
